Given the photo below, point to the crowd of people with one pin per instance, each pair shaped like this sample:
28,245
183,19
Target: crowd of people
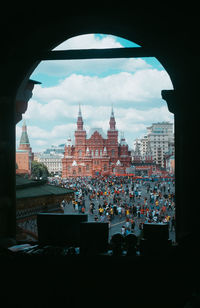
134,201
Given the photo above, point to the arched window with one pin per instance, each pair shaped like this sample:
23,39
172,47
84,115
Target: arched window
131,75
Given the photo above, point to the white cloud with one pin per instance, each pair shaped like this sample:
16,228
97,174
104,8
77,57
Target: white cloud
40,142
60,112
133,64
88,41
58,131
145,116
91,67
52,110
140,86
36,132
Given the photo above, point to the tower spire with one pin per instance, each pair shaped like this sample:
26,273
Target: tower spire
112,112
79,111
79,120
112,120
24,140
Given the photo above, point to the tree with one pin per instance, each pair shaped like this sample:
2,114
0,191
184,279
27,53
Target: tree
39,170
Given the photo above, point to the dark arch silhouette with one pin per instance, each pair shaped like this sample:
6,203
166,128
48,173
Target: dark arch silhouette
171,35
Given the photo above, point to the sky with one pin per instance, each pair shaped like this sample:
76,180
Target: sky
132,85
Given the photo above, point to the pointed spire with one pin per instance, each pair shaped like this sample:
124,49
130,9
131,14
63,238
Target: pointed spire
112,120
112,112
24,136
79,111
122,139
79,120
24,143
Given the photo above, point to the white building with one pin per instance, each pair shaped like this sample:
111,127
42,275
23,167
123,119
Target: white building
143,145
52,158
160,139
52,161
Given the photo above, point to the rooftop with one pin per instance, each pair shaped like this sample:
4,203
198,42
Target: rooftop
26,188
96,129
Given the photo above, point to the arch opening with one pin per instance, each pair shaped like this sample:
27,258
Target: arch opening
103,81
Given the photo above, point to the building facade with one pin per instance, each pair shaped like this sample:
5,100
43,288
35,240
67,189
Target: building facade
159,140
53,162
24,155
95,153
143,159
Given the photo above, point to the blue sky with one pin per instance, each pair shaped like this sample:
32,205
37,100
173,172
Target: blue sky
133,86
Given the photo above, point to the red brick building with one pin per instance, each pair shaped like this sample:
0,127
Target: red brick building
95,153
24,155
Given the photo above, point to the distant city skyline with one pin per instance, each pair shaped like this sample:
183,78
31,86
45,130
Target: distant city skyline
133,86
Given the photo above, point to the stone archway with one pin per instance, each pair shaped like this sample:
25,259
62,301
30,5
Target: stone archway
154,35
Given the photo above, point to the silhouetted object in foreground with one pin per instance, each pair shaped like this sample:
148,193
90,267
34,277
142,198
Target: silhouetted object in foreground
93,238
60,229
155,240
117,242
130,244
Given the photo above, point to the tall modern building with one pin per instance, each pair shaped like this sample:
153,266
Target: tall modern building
96,152
160,140
24,155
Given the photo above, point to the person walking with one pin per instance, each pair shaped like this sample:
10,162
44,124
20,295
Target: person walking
91,208
132,224
123,230
119,210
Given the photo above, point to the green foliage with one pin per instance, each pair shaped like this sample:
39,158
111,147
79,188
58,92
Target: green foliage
39,170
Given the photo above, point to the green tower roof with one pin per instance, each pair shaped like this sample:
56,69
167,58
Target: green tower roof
24,136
